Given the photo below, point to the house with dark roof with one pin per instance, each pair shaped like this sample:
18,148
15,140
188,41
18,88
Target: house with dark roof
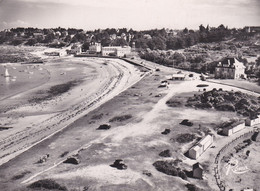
233,128
230,68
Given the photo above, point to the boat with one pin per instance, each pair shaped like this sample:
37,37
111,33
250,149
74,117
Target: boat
7,75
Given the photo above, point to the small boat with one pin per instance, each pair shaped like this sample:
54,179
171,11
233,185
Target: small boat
7,75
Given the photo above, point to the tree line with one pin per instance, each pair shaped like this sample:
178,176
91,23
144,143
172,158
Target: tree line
154,39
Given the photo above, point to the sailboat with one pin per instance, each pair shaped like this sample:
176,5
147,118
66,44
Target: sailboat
7,75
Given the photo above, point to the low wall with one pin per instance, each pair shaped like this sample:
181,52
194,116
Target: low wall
223,151
114,57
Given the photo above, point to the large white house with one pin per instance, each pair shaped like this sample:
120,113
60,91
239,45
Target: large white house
119,51
230,68
95,48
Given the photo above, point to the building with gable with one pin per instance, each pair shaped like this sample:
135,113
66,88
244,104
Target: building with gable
230,68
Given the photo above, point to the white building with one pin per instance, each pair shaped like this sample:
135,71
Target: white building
95,48
230,68
116,51
200,147
253,121
178,76
75,49
233,128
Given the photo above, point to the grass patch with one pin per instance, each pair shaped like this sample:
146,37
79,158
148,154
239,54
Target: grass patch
64,154
19,176
120,118
97,116
15,54
48,184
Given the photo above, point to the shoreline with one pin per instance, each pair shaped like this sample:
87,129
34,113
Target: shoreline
101,96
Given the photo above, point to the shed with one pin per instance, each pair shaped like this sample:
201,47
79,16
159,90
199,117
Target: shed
178,76
197,171
200,147
253,121
206,142
195,152
233,128
256,136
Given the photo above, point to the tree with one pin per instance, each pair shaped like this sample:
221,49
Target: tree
79,37
67,38
119,42
49,38
185,31
202,28
85,46
31,42
16,42
257,62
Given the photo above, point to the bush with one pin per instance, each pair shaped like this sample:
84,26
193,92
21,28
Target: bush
64,154
166,131
202,85
97,116
173,103
72,160
206,105
104,127
186,122
165,153
120,118
192,187
168,168
185,138
21,175
225,107
48,184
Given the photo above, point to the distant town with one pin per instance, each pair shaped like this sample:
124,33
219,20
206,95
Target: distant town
203,48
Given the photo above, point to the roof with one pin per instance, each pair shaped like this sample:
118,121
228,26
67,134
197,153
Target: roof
253,117
205,139
228,62
196,148
197,165
116,47
233,124
178,75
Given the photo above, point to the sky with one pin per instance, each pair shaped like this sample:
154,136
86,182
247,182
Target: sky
135,14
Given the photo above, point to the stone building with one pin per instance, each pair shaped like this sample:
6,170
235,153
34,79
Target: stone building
230,68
